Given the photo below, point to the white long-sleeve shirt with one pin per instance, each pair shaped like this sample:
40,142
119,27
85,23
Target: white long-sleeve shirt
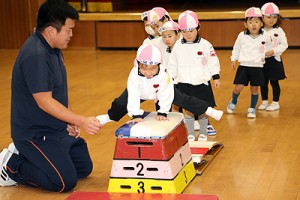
193,63
160,88
250,51
156,41
165,56
278,41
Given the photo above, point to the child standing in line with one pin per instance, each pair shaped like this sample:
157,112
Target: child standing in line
156,17
273,68
149,30
249,49
193,62
170,33
148,80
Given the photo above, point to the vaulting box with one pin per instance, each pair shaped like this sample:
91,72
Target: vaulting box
151,139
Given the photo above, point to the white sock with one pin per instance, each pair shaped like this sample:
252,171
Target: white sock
216,114
189,123
103,119
203,121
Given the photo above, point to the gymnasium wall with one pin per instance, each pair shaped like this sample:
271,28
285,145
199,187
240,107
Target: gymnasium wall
123,27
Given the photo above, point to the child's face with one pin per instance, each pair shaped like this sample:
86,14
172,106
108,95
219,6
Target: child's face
169,38
158,25
269,21
148,70
190,36
253,24
148,28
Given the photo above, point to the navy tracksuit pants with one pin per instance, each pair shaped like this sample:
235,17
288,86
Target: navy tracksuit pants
52,163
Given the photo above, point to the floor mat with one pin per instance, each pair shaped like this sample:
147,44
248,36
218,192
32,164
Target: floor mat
203,152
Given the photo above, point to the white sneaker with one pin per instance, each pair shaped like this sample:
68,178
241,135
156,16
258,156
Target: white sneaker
216,114
264,105
191,138
196,125
202,137
5,180
251,113
273,106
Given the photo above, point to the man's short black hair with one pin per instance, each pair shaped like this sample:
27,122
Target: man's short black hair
54,13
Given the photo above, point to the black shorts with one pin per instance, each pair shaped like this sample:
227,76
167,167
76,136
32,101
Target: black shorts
203,92
273,70
244,75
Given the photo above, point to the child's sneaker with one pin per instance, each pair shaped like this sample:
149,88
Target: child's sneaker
211,131
251,113
5,180
264,105
231,107
273,106
202,137
191,138
216,114
196,125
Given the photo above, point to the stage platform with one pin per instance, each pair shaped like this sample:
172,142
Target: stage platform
107,30
224,14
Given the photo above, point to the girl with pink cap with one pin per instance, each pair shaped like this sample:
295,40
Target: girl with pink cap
170,33
156,17
149,30
273,68
193,62
249,50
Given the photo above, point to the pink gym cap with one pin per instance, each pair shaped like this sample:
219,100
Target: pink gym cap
155,14
149,54
269,9
253,12
188,20
169,26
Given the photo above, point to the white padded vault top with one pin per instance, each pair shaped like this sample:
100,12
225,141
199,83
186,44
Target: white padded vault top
150,127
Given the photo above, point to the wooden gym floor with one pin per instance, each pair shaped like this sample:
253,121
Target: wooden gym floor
260,159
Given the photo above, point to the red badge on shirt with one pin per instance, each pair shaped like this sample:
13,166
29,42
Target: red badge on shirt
212,53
